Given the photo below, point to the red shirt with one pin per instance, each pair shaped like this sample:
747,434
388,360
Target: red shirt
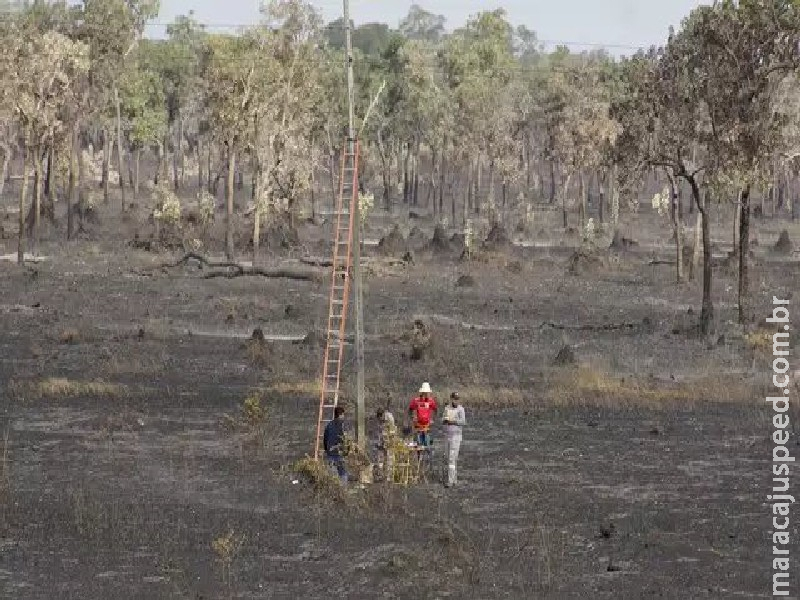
423,407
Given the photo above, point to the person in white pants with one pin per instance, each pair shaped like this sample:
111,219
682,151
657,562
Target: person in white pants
453,419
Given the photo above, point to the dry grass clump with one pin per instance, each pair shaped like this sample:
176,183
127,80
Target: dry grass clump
357,461
296,388
251,422
586,385
485,397
158,329
321,478
61,387
115,366
226,548
253,412
457,549
760,341
258,352
419,336
70,336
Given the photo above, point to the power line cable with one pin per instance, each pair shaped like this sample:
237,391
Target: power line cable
339,27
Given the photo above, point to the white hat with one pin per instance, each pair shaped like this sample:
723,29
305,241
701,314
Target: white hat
426,388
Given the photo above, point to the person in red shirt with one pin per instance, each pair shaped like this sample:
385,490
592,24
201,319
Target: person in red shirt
422,411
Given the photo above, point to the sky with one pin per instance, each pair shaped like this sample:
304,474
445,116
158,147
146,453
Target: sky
621,26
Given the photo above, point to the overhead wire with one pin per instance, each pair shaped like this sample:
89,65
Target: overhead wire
337,26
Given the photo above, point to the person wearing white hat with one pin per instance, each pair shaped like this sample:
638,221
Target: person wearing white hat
422,410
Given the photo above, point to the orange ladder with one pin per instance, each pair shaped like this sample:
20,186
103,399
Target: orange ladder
340,290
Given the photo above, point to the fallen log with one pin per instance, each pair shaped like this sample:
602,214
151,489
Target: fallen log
366,261
604,327
230,270
276,273
317,262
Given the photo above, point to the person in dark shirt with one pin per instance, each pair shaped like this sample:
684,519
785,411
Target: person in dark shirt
333,442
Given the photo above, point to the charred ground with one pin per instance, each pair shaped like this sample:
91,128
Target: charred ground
130,469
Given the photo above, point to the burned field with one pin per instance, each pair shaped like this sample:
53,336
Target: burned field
149,442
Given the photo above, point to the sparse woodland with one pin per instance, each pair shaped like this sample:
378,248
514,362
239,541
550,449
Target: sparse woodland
480,123
584,246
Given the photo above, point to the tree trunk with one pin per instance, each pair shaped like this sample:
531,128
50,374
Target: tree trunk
698,237
38,180
256,234
744,250
80,186
332,171
120,160
131,158
4,168
564,192
553,182
406,184
677,226
442,169
526,164
136,169
453,205
256,168
614,191
106,164
199,154
415,191
160,153
49,189
22,199
254,181
737,207
164,164
387,185
707,312
476,197
468,199
313,196
211,188
582,195
386,174
492,202
73,176
182,159
229,250
176,149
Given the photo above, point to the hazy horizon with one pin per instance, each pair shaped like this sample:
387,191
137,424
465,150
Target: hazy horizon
621,26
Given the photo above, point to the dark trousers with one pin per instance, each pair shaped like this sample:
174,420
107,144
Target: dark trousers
338,462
